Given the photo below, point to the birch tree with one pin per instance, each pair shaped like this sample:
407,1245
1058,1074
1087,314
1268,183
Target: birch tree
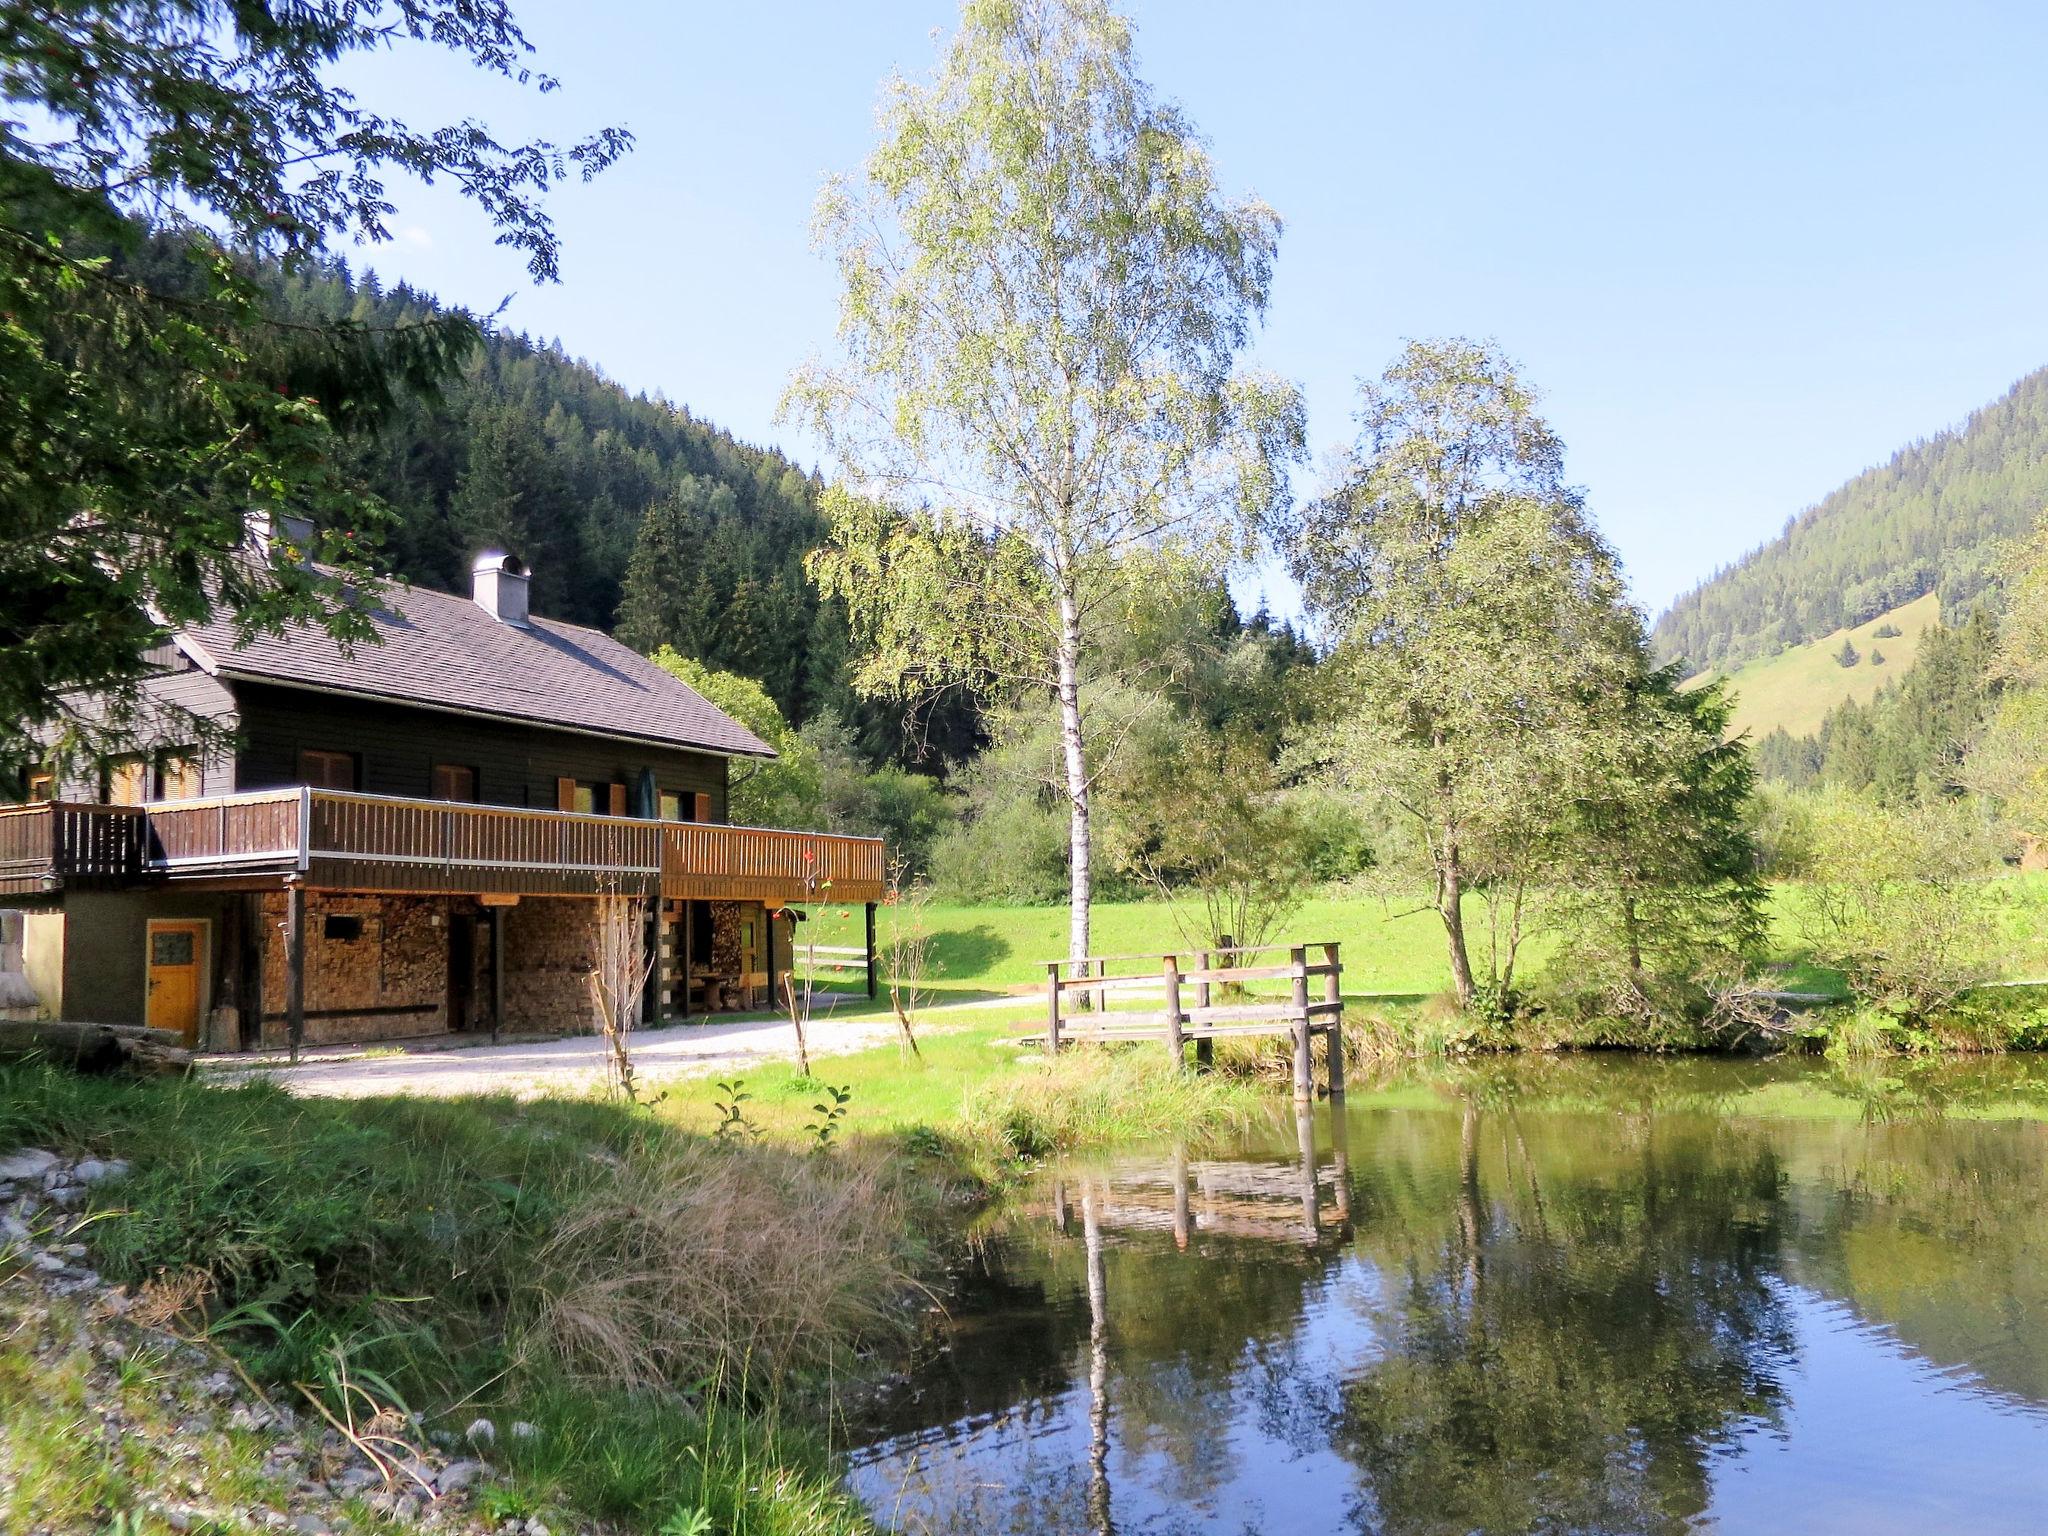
1036,404
1482,636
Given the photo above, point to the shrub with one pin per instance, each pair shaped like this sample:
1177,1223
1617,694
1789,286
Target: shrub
1015,851
1897,902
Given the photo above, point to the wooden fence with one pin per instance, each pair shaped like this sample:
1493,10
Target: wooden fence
1189,1006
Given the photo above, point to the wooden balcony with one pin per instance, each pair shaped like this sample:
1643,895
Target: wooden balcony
50,845
330,840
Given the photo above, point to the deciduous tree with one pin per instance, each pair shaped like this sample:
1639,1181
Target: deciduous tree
1037,404
1480,627
149,394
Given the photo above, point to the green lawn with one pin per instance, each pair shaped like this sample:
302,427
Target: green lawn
1002,949
1388,952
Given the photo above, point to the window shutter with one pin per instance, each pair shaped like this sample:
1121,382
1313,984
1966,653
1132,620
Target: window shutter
618,802
703,807
565,794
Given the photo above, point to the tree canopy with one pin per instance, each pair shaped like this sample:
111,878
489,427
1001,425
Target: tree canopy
1036,407
150,397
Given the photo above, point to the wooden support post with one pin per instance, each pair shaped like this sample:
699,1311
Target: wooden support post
1205,1045
1340,1157
497,972
1305,1137
1304,1082
871,951
295,967
1333,992
1183,1217
1052,1008
1176,1043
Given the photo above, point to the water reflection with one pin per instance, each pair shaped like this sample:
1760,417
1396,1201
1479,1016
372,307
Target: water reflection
1616,1297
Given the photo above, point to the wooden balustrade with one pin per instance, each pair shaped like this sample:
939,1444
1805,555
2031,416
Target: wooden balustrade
46,845
1176,1022
224,834
341,841
705,861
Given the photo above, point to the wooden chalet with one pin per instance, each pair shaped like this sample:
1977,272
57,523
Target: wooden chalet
417,837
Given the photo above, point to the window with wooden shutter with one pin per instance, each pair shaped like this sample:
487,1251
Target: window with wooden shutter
452,781
327,770
127,781
565,794
179,777
617,801
42,786
673,805
703,808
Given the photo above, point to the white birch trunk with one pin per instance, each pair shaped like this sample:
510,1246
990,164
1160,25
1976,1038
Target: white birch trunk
1080,864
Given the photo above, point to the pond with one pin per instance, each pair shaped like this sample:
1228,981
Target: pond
1557,1295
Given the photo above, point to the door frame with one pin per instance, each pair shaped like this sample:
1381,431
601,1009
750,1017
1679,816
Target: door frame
202,962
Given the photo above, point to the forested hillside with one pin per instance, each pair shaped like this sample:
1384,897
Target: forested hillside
633,514
1931,520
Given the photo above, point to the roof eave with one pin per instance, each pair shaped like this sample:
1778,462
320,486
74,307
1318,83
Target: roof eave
766,753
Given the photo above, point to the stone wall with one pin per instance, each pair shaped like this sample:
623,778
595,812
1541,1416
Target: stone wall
390,982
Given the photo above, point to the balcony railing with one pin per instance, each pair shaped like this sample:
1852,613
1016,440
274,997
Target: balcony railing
338,841
51,844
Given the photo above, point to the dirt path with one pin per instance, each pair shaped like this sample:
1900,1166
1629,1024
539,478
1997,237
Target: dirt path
571,1066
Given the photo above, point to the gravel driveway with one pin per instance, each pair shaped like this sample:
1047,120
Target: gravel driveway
571,1066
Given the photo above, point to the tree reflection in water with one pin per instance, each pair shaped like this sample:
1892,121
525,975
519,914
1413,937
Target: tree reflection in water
1546,1298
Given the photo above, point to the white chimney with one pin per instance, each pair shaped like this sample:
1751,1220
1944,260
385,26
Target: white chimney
266,528
498,583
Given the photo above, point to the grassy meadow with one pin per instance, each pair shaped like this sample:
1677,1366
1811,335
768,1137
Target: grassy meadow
1391,953
1797,687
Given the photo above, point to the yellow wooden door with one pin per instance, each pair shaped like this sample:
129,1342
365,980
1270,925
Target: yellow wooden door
176,950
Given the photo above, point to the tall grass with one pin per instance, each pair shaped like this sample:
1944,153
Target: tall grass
702,1263
1094,1095
582,1267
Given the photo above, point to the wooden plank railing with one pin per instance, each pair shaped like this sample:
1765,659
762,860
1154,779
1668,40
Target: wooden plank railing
225,833
343,841
706,861
1188,1010
54,842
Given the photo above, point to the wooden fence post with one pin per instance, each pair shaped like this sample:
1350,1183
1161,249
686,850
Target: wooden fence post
1333,993
1304,1083
1205,1045
1176,1045
1052,1008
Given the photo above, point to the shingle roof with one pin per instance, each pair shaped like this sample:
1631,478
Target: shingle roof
442,651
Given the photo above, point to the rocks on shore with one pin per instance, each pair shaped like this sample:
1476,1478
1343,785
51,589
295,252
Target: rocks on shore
321,1484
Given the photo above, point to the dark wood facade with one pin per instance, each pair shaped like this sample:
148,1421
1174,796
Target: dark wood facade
487,830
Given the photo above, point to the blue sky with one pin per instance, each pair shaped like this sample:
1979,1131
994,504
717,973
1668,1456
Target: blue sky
1744,250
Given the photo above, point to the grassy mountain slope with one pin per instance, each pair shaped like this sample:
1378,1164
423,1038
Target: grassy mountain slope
1932,520
1797,687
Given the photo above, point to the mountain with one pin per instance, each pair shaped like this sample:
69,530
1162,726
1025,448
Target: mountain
1932,520
535,451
